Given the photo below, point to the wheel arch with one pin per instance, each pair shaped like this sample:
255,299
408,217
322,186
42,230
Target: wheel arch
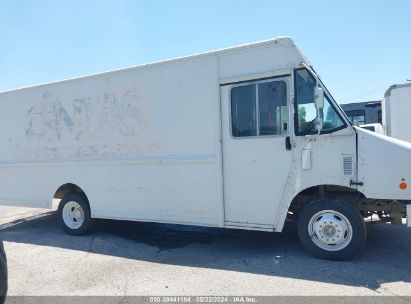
308,194
297,201
65,189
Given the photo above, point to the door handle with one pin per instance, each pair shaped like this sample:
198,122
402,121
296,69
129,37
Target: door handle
288,143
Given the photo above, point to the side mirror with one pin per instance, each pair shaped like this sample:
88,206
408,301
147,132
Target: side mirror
319,97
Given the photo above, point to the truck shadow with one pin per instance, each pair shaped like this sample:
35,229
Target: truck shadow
384,259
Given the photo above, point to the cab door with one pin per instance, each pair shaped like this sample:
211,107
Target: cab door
256,155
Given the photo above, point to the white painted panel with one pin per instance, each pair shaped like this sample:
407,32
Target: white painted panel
397,112
383,163
255,173
160,127
275,56
132,113
167,190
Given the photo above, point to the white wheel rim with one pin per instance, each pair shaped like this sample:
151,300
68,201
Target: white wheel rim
73,215
330,230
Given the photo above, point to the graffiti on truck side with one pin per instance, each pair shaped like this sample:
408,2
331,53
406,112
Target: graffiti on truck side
53,120
88,124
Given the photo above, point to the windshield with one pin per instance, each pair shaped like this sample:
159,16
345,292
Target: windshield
306,113
334,102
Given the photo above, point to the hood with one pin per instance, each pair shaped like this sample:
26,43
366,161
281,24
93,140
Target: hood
384,166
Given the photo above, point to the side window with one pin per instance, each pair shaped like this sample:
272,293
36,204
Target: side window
305,110
243,111
259,109
272,108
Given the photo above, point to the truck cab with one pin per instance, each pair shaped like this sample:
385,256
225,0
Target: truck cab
341,166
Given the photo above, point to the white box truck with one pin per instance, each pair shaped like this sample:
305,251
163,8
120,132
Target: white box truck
396,111
242,138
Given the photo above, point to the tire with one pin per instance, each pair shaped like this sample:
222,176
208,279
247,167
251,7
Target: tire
3,274
74,214
337,228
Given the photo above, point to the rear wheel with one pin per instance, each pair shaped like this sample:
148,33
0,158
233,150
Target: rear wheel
332,229
3,278
75,215
3,273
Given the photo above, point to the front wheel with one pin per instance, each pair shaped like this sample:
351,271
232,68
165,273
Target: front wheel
331,229
75,215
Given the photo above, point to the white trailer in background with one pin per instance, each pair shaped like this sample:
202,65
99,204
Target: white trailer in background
237,138
396,111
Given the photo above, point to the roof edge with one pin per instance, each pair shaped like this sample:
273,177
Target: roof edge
280,40
395,86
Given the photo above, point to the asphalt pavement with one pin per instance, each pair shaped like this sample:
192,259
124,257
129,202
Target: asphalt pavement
131,258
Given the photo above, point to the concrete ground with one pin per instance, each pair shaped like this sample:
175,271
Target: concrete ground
128,258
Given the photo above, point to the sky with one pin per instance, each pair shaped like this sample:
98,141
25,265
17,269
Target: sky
359,48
